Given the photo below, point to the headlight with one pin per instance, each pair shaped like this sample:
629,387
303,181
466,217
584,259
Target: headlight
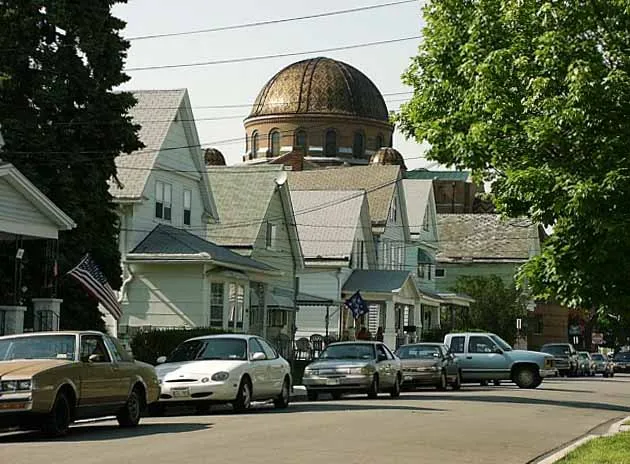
308,372
205,380
220,376
15,385
365,370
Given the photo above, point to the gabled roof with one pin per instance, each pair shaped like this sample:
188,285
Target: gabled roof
417,196
327,221
376,281
425,174
485,237
378,181
167,242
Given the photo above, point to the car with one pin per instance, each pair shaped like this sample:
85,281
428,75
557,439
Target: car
587,366
566,357
603,365
354,367
429,364
50,379
486,356
223,369
622,361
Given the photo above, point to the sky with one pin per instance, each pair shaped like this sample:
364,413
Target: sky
239,83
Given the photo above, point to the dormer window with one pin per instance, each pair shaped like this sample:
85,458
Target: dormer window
163,200
187,206
271,238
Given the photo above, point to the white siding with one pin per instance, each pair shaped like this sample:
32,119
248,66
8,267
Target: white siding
392,241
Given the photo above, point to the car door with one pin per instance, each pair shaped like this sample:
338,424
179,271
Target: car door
259,371
486,359
277,367
386,371
449,362
100,382
123,366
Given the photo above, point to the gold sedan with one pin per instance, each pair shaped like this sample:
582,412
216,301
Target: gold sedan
50,379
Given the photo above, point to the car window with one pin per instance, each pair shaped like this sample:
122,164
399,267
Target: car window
419,351
388,352
93,344
254,347
457,344
597,357
113,350
349,351
557,350
125,354
481,344
267,349
381,351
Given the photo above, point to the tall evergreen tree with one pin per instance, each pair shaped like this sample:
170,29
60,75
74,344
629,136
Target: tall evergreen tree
63,125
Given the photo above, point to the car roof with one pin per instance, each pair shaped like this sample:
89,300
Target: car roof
556,344
463,334
357,342
238,336
61,332
423,343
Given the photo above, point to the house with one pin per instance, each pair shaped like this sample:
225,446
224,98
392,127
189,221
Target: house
257,221
173,276
454,190
27,214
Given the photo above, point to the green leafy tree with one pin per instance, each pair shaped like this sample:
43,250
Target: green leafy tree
63,125
496,307
536,95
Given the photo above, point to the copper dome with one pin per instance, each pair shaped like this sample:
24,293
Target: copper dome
389,156
214,157
321,86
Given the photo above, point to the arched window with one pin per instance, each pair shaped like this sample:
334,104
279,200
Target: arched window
358,146
255,144
246,143
300,139
274,140
330,148
379,141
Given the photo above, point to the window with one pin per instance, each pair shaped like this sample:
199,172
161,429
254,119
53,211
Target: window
538,324
93,344
271,239
421,272
300,139
425,220
124,353
216,304
330,148
237,306
277,318
381,351
254,347
163,203
379,141
358,145
246,143
393,213
255,143
457,344
269,351
187,206
274,141
113,350
478,344
440,272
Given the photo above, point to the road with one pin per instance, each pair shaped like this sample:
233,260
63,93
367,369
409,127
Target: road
476,425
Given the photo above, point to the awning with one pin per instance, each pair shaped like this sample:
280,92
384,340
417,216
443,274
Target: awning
280,299
306,299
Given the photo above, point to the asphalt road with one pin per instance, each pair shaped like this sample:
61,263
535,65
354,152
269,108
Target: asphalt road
476,425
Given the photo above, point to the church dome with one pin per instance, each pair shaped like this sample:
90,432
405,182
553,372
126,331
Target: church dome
214,157
321,86
389,156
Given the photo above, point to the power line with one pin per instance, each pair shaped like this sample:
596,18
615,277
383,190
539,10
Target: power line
268,57
270,22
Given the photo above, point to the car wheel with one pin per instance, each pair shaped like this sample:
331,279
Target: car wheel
282,400
311,395
58,420
395,393
244,397
336,395
527,377
129,415
373,391
457,385
443,382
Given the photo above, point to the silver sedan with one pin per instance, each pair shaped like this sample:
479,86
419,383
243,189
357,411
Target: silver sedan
354,367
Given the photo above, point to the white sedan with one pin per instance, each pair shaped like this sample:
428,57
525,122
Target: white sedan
236,369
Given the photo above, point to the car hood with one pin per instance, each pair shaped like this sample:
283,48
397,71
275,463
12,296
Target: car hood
525,354
26,368
340,363
419,362
185,368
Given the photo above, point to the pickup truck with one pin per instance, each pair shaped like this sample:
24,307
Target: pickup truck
486,356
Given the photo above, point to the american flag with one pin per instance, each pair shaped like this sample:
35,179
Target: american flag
90,276
357,305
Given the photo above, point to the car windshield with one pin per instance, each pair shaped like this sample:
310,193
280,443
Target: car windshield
349,351
418,352
584,355
625,356
556,350
38,347
505,346
598,357
222,349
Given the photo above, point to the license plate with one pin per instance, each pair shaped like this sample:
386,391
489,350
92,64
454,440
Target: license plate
332,381
181,393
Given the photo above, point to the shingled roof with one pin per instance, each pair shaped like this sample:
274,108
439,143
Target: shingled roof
486,237
378,181
425,174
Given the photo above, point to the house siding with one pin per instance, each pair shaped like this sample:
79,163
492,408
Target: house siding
393,238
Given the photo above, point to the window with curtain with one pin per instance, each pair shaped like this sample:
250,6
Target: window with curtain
236,298
330,148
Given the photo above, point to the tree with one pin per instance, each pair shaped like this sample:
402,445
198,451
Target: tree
496,306
63,125
536,95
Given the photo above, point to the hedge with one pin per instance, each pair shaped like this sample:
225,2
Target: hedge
148,345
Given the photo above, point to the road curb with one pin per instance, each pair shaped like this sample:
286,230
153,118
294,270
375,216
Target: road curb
561,453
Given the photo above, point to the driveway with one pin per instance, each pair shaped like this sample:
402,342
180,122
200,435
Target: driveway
476,425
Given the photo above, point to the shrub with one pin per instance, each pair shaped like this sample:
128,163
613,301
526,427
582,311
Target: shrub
148,345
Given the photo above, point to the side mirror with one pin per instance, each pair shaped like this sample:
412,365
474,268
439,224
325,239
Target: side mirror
258,356
95,358
498,351
161,360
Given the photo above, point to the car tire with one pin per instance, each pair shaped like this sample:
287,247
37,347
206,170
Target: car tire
527,378
457,385
373,391
282,400
244,397
443,382
395,392
131,412
57,421
311,395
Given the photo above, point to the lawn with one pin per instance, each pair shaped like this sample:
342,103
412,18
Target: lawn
608,450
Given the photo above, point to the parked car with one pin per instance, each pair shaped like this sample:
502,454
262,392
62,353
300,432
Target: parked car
622,361
216,369
603,365
429,364
587,366
354,367
486,356
566,357
50,379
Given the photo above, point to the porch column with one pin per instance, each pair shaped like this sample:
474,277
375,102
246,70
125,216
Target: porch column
46,314
389,331
263,295
13,319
